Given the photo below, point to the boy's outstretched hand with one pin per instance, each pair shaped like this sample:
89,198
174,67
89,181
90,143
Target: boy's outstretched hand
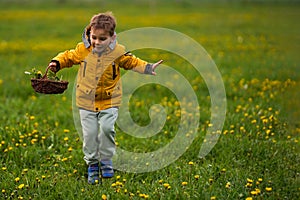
154,66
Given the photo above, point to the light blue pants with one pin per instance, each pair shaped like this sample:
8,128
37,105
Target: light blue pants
98,134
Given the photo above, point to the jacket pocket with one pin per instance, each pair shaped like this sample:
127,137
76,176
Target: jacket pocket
112,92
84,92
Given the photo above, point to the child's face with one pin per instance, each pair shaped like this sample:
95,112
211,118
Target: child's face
100,39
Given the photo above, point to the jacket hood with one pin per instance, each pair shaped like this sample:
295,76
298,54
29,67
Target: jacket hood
86,37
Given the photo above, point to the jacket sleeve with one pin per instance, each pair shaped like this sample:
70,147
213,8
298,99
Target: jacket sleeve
71,57
130,62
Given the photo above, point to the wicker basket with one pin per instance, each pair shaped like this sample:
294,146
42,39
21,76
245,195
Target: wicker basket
47,86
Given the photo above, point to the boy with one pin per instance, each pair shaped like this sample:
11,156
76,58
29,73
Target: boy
99,90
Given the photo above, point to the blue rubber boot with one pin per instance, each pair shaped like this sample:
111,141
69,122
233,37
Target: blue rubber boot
93,174
107,170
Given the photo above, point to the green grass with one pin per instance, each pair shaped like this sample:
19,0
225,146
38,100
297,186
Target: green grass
254,45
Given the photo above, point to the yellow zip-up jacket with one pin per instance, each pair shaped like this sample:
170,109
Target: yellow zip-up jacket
98,85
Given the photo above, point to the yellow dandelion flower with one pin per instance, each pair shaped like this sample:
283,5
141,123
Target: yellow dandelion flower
66,130
3,191
228,184
104,197
249,198
32,117
223,170
242,129
166,185
64,159
265,121
33,97
197,177
213,198
113,185
248,185
257,190
191,163
33,141
118,183
184,183
268,189
66,139
17,179
249,180
21,186
160,181
144,196
260,179
131,194
4,168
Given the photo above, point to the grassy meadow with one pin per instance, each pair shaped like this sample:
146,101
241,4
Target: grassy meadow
256,48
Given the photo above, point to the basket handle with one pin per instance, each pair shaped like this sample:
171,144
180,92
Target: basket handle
45,75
